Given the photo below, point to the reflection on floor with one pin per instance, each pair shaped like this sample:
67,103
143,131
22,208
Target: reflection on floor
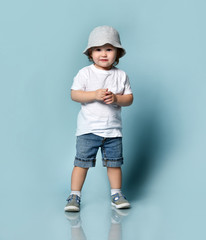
115,232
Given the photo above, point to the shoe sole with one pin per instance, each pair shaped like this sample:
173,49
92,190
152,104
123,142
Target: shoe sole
121,206
71,209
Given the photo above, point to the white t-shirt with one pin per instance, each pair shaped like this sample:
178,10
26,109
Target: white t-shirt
97,117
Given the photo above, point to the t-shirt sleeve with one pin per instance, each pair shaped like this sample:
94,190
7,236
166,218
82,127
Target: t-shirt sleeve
79,82
127,87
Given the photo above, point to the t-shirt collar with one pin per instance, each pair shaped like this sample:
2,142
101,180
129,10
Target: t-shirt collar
101,70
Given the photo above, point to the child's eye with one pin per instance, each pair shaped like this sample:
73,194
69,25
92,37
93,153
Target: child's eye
109,49
98,49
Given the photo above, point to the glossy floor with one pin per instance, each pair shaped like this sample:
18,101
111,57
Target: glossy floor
154,217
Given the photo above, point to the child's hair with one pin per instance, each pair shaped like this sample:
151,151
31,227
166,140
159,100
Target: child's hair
119,53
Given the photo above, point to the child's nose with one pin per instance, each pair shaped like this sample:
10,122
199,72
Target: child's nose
104,53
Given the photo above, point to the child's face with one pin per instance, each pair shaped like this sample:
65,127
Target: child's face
104,56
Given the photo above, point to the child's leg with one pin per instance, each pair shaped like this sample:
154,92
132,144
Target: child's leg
77,180
78,177
112,159
115,177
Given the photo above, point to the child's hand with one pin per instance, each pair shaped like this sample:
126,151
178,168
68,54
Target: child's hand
110,98
100,94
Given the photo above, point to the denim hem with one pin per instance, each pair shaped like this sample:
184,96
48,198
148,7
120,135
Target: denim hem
84,163
112,162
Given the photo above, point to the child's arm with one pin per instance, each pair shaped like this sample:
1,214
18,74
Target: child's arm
121,100
90,96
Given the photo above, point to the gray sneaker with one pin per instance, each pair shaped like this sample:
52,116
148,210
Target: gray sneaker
73,204
119,201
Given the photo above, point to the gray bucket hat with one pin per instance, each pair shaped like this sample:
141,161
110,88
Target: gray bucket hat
104,35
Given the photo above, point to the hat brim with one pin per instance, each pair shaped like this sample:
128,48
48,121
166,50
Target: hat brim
115,44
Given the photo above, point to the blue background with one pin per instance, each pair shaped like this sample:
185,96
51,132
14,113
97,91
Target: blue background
41,44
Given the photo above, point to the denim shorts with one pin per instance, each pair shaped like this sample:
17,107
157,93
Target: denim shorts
87,146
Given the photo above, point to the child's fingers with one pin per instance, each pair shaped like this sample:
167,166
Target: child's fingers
107,97
108,102
108,93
